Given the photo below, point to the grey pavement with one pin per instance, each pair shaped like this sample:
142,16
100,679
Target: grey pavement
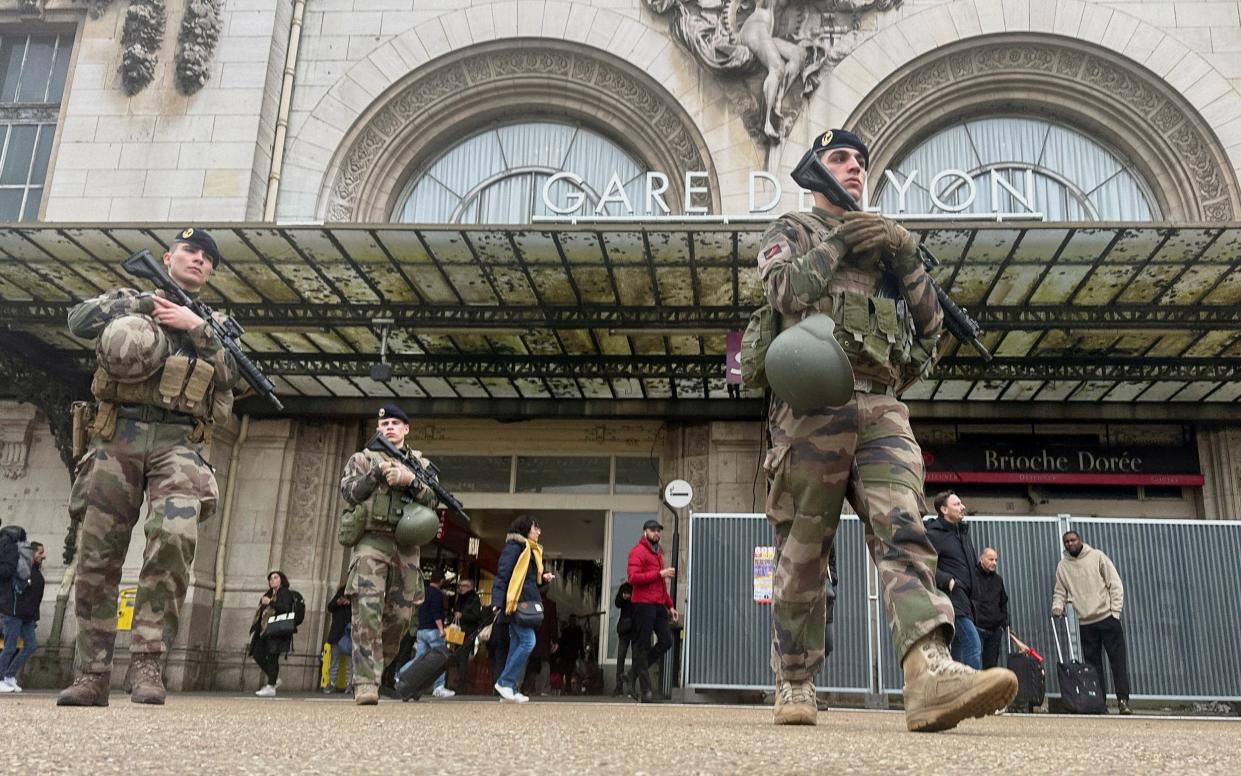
314,734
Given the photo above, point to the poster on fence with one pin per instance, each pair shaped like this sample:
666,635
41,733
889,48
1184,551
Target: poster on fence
764,568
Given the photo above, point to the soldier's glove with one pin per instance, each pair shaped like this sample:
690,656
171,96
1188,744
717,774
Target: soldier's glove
145,304
865,232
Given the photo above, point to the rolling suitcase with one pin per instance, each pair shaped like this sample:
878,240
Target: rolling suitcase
1031,678
417,675
1079,682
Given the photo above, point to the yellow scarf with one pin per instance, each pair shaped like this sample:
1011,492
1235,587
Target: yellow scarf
520,569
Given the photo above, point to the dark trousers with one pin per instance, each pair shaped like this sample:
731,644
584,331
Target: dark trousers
1107,635
622,649
462,658
269,662
992,645
651,619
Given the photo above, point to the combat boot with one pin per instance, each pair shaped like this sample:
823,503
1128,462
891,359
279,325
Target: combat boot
145,679
86,690
365,695
940,692
795,702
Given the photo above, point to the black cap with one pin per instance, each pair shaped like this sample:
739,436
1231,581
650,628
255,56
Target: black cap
199,238
393,411
841,138
652,525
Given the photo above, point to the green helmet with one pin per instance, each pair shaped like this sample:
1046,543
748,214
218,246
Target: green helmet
132,348
807,368
418,526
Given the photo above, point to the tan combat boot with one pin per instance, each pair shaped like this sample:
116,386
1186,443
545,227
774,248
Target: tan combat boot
86,690
940,692
795,703
145,678
365,694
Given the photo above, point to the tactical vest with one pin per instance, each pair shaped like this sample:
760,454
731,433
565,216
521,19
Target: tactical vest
183,384
385,505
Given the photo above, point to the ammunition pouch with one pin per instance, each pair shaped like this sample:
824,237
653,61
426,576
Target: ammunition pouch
759,333
83,414
352,524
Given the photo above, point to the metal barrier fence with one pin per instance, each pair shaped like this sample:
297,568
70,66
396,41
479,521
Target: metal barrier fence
1182,602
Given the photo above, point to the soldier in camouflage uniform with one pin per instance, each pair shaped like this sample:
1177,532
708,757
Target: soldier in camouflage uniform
864,271
384,581
162,380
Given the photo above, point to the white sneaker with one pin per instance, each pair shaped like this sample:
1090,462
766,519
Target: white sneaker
505,693
443,692
521,698
6,687
277,684
267,691
13,684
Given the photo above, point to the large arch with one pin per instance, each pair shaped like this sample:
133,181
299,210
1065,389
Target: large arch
1088,86
440,102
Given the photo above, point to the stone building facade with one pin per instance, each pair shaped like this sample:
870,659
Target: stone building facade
323,111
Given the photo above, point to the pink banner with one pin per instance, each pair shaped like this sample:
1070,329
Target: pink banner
732,363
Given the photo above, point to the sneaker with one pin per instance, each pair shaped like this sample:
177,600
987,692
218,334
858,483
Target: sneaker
12,680
267,691
328,690
443,692
506,694
278,683
1124,705
519,698
6,687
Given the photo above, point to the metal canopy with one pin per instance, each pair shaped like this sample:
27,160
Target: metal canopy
1073,312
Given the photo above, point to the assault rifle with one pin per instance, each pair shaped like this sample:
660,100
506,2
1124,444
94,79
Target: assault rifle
811,175
427,476
143,265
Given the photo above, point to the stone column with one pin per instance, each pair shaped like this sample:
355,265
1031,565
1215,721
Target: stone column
1219,450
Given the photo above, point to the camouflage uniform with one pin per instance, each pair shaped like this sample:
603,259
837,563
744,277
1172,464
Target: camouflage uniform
384,581
864,450
158,453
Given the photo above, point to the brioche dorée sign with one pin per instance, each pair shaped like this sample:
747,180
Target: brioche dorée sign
1027,462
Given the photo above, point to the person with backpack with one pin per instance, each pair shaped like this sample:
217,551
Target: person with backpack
22,619
272,631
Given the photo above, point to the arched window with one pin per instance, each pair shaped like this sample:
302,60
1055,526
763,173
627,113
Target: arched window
498,176
1049,168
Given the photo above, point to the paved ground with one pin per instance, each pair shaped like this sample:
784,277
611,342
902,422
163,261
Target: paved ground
305,734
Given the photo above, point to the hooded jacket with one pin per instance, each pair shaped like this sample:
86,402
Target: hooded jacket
1091,584
645,563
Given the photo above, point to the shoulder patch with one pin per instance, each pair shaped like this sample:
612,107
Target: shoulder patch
777,248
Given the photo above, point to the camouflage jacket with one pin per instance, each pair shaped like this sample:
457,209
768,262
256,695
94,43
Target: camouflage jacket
363,476
801,271
88,319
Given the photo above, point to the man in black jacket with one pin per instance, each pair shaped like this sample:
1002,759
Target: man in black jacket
990,608
954,574
468,615
339,637
21,621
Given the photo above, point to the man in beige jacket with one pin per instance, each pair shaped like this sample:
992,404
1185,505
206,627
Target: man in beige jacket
1087,578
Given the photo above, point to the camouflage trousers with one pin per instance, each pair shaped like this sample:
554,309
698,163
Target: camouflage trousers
158,460
385,585
867,452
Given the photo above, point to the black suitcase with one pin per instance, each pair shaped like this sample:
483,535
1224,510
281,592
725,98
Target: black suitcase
1031,682
1080,690
414,679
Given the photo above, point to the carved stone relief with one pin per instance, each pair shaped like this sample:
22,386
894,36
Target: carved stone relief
16,431
1156,109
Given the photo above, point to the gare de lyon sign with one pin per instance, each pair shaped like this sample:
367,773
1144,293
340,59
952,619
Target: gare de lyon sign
654,206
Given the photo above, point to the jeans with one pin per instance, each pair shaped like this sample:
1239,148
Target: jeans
993,640
425,640
520,645
341,650
966,645
11,661
1107,635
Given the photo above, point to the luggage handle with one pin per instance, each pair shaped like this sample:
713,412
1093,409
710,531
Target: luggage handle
1055,632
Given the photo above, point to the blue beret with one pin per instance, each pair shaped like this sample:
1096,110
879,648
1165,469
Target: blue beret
200,239
841,138
393,411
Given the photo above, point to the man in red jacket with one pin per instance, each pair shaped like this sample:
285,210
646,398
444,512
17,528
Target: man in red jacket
653,609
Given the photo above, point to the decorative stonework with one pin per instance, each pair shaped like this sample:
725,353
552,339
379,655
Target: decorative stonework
428,102
1163,129
16,431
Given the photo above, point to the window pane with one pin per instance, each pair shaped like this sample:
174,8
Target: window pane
637,475
63,53
34,196
10,205
18,155
12,51
38,69
43,151
562,475
475,473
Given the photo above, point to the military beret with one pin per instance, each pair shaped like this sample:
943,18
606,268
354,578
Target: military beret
393,411
200,239
841,138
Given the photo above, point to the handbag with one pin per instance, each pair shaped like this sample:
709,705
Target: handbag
529,614
280,625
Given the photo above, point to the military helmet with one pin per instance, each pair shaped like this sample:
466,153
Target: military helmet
418,526
807,368
132,348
